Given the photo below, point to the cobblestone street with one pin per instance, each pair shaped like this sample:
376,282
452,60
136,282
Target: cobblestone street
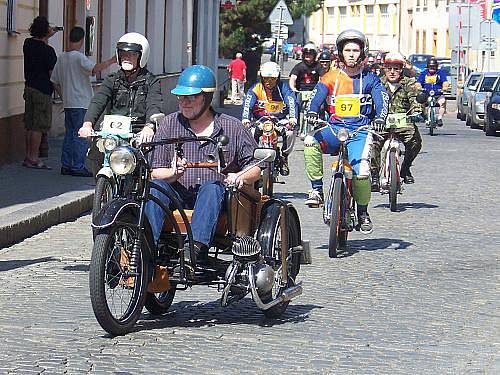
418,295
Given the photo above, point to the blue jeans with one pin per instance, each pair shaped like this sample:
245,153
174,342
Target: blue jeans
206,202
74,148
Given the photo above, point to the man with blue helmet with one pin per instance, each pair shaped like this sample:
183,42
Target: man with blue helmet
200,189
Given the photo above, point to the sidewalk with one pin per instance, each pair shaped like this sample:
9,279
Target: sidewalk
32,200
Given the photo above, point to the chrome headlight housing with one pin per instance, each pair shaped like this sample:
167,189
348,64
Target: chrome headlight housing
110,143
432,92
122,160
343,134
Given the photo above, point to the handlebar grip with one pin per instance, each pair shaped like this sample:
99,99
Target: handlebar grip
202,165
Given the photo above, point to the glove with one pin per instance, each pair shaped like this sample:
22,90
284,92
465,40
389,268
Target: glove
293,123
416,117
246,123
378,125
311,117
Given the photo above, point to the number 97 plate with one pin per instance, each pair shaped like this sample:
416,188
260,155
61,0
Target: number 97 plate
347,106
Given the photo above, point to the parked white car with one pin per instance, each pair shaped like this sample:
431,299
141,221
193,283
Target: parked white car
465,95
475,119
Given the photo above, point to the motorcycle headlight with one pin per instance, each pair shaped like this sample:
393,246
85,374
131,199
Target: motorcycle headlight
343,134
122,160
432,92
110,143
267,127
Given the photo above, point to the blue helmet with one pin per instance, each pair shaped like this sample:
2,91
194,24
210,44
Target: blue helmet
195,79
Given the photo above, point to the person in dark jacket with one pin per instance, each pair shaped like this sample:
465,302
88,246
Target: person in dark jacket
39,61
132,91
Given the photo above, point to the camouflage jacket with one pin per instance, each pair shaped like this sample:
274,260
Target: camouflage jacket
404,98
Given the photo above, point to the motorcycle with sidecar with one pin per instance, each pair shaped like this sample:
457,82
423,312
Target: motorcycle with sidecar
257,248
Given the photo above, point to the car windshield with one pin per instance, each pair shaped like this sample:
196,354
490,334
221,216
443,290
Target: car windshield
446,69
473,80
487,83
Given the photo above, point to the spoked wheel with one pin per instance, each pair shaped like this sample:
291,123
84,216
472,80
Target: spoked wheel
267,181
338,235
159,303
269,236
117,294
103,194
394,182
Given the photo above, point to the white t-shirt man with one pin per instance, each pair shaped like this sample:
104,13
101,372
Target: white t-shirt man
72,72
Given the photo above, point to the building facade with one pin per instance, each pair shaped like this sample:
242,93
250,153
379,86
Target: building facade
379,20
180,33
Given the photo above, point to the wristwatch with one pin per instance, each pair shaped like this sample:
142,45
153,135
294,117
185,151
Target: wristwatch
151,126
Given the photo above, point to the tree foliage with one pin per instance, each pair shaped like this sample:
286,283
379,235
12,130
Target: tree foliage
246,26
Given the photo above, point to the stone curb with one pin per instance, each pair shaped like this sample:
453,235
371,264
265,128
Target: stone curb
34,219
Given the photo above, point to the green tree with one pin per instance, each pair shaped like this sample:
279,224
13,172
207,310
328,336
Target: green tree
245,27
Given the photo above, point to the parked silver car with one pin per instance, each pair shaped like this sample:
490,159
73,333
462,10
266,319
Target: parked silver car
475,118
467,90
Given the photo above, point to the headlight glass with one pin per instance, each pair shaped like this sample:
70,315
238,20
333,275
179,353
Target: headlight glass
267,127
110,143
343,134
122,160
432,92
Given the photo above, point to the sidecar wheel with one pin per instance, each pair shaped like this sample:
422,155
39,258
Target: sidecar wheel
269,236
117,297
159,303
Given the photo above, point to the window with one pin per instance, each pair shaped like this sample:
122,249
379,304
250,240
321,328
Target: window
343,11
369,10
331,11
384,9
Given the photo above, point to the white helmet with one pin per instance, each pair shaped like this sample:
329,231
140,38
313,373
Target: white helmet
269,69
134,42
394,58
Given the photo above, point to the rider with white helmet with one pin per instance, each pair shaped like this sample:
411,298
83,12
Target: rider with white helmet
132,91
272,97
305,74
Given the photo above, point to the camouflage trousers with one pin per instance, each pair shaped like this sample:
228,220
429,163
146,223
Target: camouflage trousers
412,140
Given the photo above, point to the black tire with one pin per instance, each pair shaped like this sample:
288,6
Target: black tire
431,129
267,181
106,271
487,128
336,218
103,193
267,235
159,303
467,120
394,182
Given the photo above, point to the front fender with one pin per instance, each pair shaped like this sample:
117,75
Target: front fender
106,172
290,209
108,214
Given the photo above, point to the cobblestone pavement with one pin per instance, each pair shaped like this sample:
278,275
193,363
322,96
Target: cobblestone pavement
418,295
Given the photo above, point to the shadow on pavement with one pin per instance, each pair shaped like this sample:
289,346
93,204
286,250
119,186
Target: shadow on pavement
371,244
77,268
291,195
189,314
7,265
405,206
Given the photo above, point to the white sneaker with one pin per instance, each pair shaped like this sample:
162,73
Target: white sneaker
315,198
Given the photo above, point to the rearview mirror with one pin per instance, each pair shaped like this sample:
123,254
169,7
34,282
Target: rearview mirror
157,117
267,154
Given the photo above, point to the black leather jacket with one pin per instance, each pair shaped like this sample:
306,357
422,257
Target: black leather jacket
139,99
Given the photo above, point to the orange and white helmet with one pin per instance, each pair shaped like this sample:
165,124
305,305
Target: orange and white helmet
394,58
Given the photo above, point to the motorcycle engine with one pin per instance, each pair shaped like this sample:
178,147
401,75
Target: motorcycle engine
245,246
264,278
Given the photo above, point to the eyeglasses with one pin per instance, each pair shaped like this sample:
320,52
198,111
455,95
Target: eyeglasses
393,69
189,98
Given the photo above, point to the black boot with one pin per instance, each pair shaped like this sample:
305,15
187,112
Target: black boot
284,169
375,182
406,174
